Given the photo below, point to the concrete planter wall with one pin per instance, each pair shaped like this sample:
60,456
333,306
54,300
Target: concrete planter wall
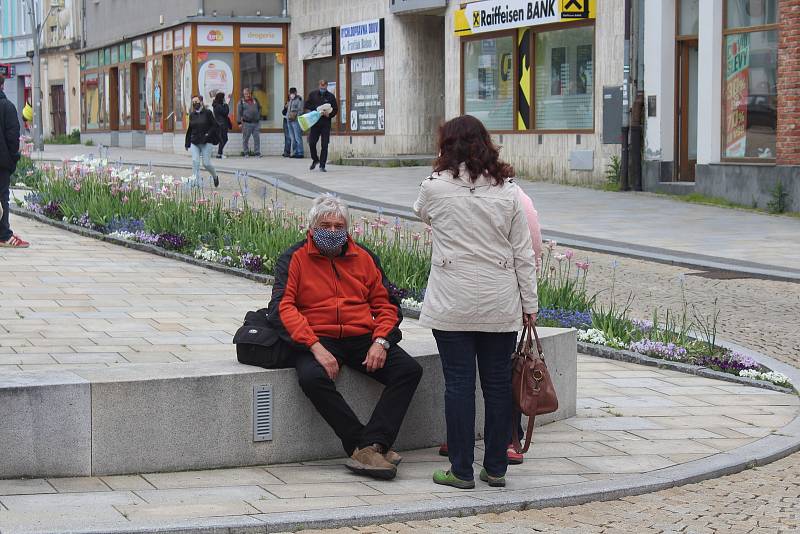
171,417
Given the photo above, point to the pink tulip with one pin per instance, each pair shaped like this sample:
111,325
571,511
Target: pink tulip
125,199
569,254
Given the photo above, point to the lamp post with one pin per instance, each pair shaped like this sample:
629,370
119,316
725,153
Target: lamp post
36,30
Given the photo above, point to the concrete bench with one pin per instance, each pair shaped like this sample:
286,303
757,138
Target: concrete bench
144,418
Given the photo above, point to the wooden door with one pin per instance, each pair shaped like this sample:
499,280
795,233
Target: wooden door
58,113
686,116
113,98
168,92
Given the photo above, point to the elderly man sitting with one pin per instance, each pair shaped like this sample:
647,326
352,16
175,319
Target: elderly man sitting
330,302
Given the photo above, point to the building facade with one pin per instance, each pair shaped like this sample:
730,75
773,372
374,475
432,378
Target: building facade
721,84
16,40
145,60
61,39
533,72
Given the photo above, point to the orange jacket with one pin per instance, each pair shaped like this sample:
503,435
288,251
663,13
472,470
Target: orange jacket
316,296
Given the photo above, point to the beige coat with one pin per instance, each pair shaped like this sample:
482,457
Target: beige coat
483,271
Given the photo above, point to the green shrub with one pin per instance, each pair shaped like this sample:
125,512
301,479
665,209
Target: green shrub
72,138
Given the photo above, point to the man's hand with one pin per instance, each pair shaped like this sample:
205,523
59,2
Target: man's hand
376,358
528,319
326,360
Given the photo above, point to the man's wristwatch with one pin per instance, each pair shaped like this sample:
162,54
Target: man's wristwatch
383,343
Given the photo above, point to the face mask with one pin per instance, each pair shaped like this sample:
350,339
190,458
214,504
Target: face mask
329,241
196,105
323,90
292,95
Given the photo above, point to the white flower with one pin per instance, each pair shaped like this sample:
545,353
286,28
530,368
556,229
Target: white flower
592,335
411,304
20,184
779,379
122,235
207,254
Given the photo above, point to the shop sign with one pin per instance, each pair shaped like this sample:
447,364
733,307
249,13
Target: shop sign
316,44
7,71
365,36
260,36
367,87
495,15
736,92
215,76
214,35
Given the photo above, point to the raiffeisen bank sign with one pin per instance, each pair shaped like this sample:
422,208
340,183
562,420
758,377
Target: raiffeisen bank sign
495,15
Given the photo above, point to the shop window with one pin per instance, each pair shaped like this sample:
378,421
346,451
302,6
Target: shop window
744,13
148,94
324,69
564,79
91,102
750,89
125,97
214,75
177,80
140,109
689,16
342,97
263,74
489,81
158,94
366,111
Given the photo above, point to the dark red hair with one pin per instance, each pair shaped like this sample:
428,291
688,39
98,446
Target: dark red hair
466,140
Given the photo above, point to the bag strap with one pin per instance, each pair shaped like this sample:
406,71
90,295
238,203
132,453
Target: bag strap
525,341
528,435
539,348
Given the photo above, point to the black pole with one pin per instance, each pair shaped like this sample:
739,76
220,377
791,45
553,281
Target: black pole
626,104
636,142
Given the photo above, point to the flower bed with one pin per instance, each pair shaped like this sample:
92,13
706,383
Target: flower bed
250,231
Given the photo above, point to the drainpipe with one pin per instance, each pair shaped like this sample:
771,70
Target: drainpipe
626,105
201,7
285,12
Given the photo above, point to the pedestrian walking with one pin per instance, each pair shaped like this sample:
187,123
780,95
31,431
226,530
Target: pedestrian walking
201,136
322,129
294,108
222,113
248,115
9,156
481,290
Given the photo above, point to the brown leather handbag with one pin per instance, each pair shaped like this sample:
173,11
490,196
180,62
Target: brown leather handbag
534,393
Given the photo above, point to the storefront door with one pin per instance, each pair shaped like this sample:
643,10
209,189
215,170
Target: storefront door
169,109
57,112
113,98
686,116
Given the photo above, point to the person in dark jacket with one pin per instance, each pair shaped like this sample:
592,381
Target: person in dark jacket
322,129
331,305
9,156
222,115
201,136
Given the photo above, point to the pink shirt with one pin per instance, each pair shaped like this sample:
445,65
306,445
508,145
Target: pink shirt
533,224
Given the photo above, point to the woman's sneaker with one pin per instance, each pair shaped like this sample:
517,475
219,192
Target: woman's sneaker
495,482
370,461
15,242
446,478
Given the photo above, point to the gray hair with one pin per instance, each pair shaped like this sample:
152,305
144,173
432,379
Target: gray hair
325,205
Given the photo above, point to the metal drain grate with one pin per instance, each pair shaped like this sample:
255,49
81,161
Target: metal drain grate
262,413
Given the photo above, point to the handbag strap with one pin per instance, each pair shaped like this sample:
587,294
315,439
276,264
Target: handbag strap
539,348
526,343
518,447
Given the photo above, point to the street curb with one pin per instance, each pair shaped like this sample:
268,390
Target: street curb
621,355
297,186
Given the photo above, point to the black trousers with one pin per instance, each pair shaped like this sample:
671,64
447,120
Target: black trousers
321,129
223,139
5,184
401,375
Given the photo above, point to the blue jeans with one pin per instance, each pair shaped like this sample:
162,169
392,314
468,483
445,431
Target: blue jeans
202,152
296,134
5,184
459,352
287,138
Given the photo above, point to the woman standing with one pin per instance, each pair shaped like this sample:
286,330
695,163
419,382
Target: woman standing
481,290
222,115
201,136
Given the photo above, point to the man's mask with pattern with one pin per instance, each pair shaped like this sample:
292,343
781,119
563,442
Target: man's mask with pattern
329,241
